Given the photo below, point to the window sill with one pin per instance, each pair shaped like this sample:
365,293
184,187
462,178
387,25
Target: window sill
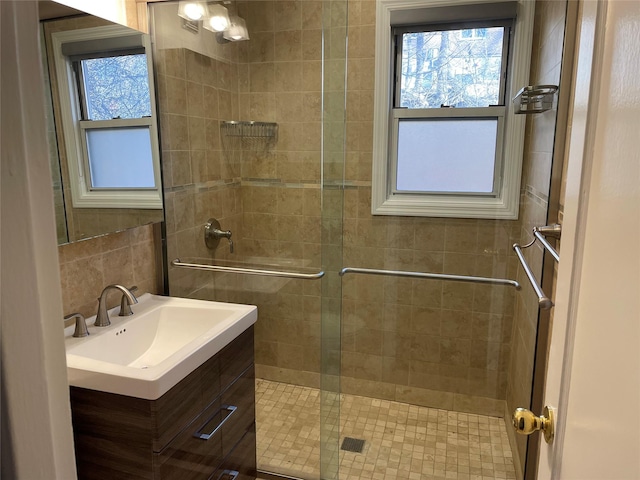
449,206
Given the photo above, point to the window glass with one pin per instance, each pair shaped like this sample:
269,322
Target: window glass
116,87
120,157
455,68
431,157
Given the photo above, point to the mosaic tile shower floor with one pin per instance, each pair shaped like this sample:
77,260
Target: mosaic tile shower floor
402,441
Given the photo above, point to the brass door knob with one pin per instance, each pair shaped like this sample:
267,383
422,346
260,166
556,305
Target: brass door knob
526,422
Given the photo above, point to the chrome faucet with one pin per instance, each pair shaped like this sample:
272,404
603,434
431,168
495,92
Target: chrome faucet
102,318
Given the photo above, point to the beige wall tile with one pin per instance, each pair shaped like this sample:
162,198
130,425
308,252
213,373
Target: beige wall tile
178,132
288,14
424,397
87,267
262,77
363,366
478,405
262,47
295,377
367,388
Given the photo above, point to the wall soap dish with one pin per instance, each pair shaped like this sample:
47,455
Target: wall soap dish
247,129
534,98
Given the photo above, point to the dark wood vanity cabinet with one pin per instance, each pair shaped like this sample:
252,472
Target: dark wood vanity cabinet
201,429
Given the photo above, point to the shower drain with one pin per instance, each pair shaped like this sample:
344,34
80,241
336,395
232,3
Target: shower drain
355,445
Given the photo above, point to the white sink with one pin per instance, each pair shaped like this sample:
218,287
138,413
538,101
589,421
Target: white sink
147,353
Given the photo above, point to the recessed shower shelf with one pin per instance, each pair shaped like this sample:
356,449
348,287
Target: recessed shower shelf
249,129
534,98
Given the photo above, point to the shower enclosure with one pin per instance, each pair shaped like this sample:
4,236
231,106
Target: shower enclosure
272,136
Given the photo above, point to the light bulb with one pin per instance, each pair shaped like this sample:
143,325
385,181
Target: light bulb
218,20
193,11
218,24
237,30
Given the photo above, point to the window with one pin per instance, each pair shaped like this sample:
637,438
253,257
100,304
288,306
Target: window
109,126
447,142
448,88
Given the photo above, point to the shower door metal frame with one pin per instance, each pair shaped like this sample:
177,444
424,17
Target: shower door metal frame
543,335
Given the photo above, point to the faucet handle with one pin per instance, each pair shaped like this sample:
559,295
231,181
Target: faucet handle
81,325
213,234
224,234
125,306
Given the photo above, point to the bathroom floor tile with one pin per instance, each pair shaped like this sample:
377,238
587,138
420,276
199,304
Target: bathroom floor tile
402,441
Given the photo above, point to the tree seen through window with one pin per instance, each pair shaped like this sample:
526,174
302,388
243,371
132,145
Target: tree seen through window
116,87
455,68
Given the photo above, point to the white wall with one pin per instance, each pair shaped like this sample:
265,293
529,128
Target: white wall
33,359
114,10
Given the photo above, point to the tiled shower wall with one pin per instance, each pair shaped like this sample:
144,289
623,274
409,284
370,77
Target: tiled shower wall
281,65
197,80
439,344
267,192
545,69
402,339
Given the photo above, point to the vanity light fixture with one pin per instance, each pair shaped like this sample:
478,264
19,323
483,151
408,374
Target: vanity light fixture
218,19
192,11
214,17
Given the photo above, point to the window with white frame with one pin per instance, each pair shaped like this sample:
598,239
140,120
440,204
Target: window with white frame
108,117
447,143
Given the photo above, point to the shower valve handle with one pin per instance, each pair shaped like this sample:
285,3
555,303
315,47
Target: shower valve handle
213,234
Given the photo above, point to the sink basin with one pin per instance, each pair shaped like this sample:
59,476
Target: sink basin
147,353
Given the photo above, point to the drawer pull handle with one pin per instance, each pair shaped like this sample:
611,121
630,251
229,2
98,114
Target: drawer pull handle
228,475
206,436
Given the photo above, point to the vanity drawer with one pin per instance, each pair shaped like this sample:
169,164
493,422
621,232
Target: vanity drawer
186,400
197,450
235,358
200,448
241,396
240,464
105,459
183,403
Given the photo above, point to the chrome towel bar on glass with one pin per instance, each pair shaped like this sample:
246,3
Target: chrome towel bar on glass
540,234
545,243
432,276
247,271
543,301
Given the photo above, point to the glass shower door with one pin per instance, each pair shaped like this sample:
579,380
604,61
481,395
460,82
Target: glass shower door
334,41
253,136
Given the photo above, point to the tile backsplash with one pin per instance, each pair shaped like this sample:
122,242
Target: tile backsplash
86,267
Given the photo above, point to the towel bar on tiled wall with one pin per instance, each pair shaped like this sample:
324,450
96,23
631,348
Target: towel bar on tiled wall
432,276
247,271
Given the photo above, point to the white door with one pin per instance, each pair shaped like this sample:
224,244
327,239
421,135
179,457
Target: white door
593,377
